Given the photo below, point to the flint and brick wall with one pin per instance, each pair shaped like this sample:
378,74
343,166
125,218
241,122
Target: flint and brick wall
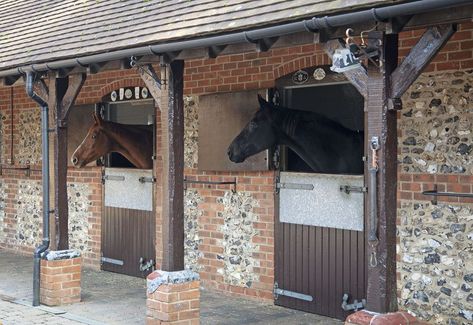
213,251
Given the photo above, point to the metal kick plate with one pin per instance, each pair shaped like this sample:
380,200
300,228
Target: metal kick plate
324,206
123,188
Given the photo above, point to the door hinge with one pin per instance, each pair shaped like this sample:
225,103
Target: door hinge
295,186
111,261
281,292
356,305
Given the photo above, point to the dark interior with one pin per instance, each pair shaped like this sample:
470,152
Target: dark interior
340,102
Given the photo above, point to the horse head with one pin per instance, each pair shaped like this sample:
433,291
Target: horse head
95,144
258,135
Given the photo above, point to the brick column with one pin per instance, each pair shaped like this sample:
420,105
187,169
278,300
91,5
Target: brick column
173,298
60,278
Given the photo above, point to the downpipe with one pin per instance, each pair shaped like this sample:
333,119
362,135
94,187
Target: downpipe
45,180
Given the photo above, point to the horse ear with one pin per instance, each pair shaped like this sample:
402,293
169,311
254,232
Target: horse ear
262,102
97,118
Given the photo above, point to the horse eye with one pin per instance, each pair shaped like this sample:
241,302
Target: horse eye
94,136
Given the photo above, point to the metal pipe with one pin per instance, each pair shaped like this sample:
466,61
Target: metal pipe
313,25
45,179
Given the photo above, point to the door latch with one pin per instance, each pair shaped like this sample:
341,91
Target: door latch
356,305
146,265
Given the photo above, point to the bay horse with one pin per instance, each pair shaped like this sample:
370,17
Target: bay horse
325,145
134,142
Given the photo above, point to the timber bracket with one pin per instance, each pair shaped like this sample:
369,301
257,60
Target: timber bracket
416,61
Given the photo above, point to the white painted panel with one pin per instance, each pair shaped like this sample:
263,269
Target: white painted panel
324,205
128,193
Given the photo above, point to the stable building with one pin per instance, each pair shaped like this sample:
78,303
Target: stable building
394,234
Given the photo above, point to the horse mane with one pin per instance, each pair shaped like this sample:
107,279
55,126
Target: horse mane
289,121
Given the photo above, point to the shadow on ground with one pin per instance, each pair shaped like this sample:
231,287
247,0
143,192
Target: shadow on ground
110,298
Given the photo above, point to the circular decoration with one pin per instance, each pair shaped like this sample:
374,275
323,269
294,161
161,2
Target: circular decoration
128,93
300,77
144,92
319,74
114,96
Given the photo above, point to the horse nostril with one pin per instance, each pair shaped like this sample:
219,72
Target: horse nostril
74,160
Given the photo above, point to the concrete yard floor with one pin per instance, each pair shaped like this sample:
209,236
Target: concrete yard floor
110,298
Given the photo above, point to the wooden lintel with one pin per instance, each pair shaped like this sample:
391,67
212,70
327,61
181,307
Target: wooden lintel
358,77
76,81
215,51
172,115
151,80
265,44
419,57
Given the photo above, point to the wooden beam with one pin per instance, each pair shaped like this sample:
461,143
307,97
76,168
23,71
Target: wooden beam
358,77
151,80
419,57
172,115
382,123
76,81
62,94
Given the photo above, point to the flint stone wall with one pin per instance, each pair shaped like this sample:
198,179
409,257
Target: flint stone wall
192,212
238,232
191,131
436,124
29,148
436,242
28,215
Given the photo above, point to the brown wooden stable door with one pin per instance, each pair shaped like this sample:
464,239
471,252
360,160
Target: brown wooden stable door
319,263
319,229
128,222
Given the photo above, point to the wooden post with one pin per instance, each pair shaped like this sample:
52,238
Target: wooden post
382,123
172,117
62,94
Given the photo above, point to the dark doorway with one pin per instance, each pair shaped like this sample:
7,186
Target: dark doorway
319,261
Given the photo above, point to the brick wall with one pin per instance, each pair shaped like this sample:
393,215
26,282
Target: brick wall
202,76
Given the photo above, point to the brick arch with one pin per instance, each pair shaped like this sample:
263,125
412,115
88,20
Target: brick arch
97,86
301,62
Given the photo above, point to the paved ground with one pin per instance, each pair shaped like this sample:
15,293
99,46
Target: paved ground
109,298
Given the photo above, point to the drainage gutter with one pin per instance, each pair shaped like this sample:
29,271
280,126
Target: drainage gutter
253,36
45,179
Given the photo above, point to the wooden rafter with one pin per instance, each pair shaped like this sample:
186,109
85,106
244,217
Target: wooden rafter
419,57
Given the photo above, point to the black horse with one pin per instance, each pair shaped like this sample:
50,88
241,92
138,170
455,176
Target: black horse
325,145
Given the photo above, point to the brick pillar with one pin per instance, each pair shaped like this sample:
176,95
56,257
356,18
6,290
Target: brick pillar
60,278
173,298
